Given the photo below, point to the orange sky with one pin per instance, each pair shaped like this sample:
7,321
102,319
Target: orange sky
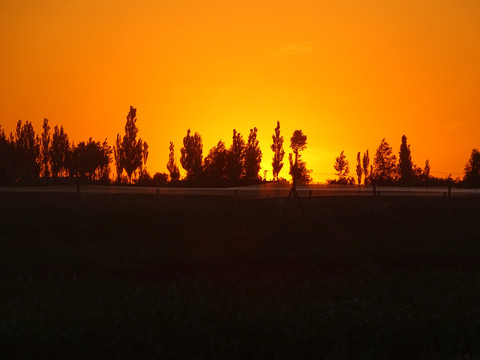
346,72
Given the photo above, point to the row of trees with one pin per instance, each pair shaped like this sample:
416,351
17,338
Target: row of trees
239,163
26,157
386,170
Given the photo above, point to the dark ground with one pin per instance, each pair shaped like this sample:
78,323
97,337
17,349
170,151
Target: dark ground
134,276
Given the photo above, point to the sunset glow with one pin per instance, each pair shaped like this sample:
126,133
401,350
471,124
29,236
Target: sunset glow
347,72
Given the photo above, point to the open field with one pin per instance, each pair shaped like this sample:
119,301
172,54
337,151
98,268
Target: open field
146,276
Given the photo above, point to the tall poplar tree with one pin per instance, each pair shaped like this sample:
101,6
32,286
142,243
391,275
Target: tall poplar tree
130,150
59,152
278,152
191,155
405,165
253,157
27,151
45,149
366,167
172,165
236,157
359,168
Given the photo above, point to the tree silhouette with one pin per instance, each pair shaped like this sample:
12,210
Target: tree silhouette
278,152
27,151
90,160
472,169
191,155
253,157
117,152
426,170
359,168
298,168
160,179
131,149
384,164
172,165
6,157
144,175
45,149
59,153
366,169
405,165
104,161
236,157
215,163
342,168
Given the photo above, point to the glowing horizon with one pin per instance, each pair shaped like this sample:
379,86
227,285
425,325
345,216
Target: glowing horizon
347,73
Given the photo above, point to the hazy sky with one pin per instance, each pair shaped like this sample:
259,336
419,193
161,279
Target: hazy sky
348,73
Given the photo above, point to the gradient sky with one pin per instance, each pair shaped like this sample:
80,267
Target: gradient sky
346,72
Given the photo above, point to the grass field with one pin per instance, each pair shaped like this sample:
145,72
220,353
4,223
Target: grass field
135,276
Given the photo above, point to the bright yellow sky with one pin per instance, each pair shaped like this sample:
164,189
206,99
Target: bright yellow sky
346,72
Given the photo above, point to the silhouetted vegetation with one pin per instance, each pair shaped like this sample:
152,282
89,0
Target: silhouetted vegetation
253,158
172,165
384,164
386,171
130,152
472,169
359,168
426,170
7,165
191,158
91,160
25,158
45,149
278,152
343,171
26,153
236,158
405,165
366,168
160,179
59,153
298,167
215,165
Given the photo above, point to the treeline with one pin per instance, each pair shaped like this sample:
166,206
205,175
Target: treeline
238,164
386,170
28,158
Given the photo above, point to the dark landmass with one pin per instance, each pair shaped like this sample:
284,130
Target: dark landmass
141,276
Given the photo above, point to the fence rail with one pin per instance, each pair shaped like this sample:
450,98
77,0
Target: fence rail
254,191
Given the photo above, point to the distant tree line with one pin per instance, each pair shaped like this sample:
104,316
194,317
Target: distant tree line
385,169
239,164
28,158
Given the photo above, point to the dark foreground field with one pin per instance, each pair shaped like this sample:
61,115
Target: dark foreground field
143,277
